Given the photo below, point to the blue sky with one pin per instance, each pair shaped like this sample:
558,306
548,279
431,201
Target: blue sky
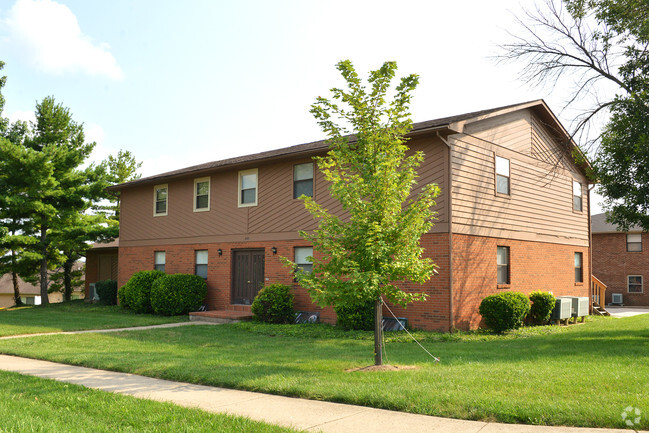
181,83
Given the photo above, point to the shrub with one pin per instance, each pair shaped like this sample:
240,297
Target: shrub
124,296
107,291
359,317
542,306
138,291
505,311
274,304
176,294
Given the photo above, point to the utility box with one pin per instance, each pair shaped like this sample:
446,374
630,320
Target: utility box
562,308
579,306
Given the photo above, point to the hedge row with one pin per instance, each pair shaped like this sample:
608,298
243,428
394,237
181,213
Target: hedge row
508,310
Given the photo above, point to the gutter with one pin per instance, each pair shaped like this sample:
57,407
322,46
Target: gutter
451,318
590,254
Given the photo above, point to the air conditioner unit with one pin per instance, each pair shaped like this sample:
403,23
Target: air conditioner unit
562,308
580,306
616,298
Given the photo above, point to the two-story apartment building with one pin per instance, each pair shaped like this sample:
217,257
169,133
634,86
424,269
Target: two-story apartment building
512,215
621,261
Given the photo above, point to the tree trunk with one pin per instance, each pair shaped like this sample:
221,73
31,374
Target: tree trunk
378,332
67,279
14,277
44,297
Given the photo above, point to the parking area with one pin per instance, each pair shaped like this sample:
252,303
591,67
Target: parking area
627,311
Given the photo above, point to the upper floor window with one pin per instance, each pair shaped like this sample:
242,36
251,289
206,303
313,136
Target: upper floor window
502,175
502,260
634,242
301,258
159,259
576,196
248,188
201,264
303,180
579,268
634,283
201,194
160,200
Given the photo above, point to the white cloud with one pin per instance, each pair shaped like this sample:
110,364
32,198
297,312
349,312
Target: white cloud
27,116
48,34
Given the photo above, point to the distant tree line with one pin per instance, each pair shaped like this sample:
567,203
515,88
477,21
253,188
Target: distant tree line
53,204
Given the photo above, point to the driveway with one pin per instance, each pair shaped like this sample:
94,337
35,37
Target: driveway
627,311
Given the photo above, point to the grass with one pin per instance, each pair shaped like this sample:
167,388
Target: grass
31,404
73,316
583,375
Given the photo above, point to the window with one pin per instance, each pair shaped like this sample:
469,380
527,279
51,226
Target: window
576,196
634,283
301,260
202,194
248,188
634,242
303,180
503,264
160,200
159,258
201,264
579,268
502,175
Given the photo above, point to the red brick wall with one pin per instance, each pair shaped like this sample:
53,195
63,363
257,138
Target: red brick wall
612,264
533,266
431,314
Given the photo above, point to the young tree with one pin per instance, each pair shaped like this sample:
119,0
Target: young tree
598,45
362,254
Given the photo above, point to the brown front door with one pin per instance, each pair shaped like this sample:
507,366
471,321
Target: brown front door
247,275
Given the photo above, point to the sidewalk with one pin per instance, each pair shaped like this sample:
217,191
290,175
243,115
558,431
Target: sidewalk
302,414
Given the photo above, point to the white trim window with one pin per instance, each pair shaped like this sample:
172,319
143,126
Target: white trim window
302,258
248,187
201,264
303,180
202,194
577,200
502,175
502,264
634,283
159,260
160,200
634,242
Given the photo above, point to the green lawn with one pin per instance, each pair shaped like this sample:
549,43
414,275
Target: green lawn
74,316
583,375
31,404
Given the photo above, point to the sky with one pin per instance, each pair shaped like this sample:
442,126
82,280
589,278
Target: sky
183,83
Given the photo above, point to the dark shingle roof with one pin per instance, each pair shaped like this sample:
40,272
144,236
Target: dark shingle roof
306,148
600,225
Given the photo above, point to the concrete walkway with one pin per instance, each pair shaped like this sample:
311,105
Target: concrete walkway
627,311
101,331
302,414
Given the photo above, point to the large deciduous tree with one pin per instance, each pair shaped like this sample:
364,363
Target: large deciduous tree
602,47
359,256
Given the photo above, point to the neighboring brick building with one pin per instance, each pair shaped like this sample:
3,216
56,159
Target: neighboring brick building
513,215
101,264
621,261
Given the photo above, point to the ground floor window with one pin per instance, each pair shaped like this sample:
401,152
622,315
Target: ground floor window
201,263
159,260
579,268
634,283
301,260
502,260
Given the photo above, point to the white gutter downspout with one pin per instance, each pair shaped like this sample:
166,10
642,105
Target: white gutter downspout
449,172
590,254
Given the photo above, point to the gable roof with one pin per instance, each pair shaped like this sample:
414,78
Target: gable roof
449,125
600,225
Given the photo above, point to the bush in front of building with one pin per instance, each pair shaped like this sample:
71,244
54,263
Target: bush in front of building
505,311
359,317
542,306
107,292
274,304
136,293
176,294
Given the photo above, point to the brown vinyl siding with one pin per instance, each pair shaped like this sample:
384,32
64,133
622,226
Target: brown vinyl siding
540,202
277,216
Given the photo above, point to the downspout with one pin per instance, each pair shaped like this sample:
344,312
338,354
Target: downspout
590,255
449,178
